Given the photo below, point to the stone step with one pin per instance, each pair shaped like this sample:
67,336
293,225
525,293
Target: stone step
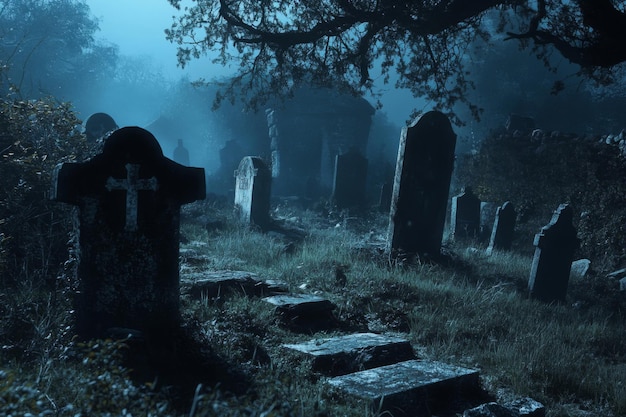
214,284
413,387
351,353
298,305
302,312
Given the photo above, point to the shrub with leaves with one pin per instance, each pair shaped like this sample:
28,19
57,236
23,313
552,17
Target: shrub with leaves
34,137
538,174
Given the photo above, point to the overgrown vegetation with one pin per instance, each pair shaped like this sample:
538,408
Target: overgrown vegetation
470,311
34,136
537,174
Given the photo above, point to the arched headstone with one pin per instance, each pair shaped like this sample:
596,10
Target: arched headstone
98,125
421,185
252,191
129,199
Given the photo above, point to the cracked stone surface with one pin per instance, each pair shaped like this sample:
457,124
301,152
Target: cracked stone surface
352,353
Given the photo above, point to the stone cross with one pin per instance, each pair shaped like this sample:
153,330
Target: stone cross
503,228
421,186
253,190
128,200
132,184
554,253
465,215
350,180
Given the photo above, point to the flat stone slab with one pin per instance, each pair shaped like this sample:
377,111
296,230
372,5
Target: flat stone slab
523,407
214,284
411,385
351,353
301,304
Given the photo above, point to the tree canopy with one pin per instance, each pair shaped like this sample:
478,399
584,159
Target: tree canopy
48,47
423,45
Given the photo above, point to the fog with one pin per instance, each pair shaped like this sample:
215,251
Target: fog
136,29
133,75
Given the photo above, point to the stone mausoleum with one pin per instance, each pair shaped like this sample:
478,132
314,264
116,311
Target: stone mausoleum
306,134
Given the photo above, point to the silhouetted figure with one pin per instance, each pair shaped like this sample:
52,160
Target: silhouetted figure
181,154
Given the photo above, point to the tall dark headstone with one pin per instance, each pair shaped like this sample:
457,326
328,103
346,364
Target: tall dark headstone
421,185
129,199
465,215
252,191
350,179
503,228
554,253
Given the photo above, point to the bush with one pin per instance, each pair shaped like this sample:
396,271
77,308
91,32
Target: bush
35,136
538,174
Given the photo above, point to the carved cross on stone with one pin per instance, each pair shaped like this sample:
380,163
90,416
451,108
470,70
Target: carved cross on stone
132,184
128,200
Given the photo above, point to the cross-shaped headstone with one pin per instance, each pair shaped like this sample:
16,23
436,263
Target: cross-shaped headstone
253,187
129,200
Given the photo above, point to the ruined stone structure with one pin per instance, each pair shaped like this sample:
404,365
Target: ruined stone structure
308,132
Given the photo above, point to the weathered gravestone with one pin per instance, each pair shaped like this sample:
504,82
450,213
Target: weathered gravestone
465,215
421,185
252,191
487,217
554,253
349,182
503,228
129,199
98,125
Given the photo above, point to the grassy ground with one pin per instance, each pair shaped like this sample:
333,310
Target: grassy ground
470,311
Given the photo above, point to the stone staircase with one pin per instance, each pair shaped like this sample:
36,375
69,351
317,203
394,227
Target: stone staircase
382,372
379,371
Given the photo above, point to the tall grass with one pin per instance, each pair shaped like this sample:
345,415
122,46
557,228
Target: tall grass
470,311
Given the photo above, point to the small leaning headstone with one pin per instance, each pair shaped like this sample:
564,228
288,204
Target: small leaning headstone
503,228
385,197
580,268
253,190
129,199
554,253
465,215
421,186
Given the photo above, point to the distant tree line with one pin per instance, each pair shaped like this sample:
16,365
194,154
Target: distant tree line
49,48
280,44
